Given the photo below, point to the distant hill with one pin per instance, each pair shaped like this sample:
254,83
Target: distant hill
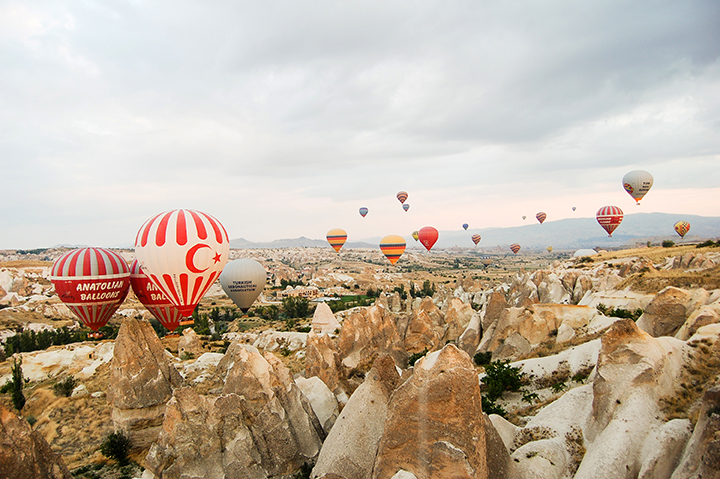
571,233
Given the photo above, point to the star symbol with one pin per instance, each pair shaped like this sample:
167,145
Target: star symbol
217,257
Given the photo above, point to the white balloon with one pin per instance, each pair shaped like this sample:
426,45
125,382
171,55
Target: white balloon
243,280
637,183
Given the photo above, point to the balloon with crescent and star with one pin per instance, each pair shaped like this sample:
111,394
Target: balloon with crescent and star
153,299
183,252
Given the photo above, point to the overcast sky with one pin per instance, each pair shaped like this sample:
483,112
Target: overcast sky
282,118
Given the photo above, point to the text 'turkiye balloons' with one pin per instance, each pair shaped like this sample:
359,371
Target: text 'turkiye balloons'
637,183
363,211
243,280
402,196
682,227
392,246
182,252
336,237
476,239
92,282
609,217
428,236
515,248
153,299
541,217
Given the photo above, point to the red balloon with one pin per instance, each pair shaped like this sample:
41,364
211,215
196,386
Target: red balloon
153,299
609,217
92,282
428,236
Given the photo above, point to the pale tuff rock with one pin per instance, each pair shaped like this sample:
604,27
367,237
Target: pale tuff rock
523,292
701,317
470,338
641,265
426,328
350,448
322,400
189,344
701,457
142,379
324,321
496,454
494,307
322,360
669,310
274,340
456,319
24,453
434,426
663,449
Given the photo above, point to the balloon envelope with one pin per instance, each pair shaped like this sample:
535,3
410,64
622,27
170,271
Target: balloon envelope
637,183
392,246
574,208
465,226
524,216
336,237
609,217
92,282
541,217
153,299
406,206
476,239
682,227
428,236
515,248
402,196
363,211
243,280
183,253
549,249
415,235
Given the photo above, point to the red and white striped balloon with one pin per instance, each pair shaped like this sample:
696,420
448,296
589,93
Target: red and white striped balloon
183,252
153,299
92,282
609,217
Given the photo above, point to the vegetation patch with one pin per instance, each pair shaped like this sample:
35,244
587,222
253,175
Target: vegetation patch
532,434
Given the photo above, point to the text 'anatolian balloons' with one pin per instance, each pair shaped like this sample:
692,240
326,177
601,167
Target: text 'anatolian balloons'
428,236
609,217
182,252
243,280
336,237
153,299
92,282
392,246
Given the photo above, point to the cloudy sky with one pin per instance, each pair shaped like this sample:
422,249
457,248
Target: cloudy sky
282,118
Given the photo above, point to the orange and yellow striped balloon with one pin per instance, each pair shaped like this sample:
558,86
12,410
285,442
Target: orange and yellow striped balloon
336,237
392,246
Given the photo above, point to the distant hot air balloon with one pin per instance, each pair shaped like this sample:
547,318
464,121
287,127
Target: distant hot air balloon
336,237
428,236
682,227
92,282
541,217
609,218
363,211
153,299
476,239
183,253
406,206
465,226
515,248
402,196
637,183
415,235
549,249
392,246
243,280
524,217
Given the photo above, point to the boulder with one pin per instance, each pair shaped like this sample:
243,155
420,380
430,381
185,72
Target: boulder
434,426
324,321
699,318
666,313
189,344
323,401
322,360
24,453
425,329
701,458
456,319
142,380
350,448
470,338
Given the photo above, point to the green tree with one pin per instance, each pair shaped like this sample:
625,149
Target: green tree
296,307
116,446
17,383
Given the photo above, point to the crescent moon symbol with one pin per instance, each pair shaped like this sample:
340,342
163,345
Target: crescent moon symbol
190,258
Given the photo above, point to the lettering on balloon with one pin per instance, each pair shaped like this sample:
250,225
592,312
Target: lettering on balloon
99,286
242,287
100,296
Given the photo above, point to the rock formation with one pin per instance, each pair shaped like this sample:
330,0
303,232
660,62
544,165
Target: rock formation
324,321
189,344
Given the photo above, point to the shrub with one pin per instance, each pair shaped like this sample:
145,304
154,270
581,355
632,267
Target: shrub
490,407
501,377
116,446
18,398
482,358
65,387
668,243
415,356
31,420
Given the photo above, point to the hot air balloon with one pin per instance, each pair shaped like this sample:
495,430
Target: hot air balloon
153,299
541,217
92,282
363,211
549,249
637,183
182,252
524,217
682,227
243,280
574,208
515,248
415,235
476,239
336,237
465,226
609,218
428,236
402,196
392,246
406,206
